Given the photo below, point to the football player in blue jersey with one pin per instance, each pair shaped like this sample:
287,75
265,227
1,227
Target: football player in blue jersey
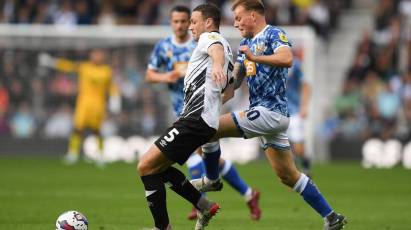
168,64
264,58
298,96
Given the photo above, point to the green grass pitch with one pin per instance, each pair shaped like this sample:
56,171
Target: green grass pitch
34,191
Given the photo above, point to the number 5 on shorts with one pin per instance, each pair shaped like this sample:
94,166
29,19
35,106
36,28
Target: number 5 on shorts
171,134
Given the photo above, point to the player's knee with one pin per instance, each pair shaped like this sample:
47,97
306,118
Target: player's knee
143,168
287,178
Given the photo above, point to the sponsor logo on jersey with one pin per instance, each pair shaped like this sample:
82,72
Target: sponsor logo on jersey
250,67
282,37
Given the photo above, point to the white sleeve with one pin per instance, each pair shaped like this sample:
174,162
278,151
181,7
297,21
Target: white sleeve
206,40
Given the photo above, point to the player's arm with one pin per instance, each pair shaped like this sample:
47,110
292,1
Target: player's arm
228,93
238,74
153,76
282,57
60,64
216,53
238,77
305,99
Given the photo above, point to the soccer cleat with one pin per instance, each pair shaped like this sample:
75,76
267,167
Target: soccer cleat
205,216
203,185
335,221
192,215
255,211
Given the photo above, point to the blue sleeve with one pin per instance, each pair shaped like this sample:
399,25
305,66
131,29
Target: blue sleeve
278,39
157,60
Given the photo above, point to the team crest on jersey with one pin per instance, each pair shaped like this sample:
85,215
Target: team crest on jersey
260,48
282,37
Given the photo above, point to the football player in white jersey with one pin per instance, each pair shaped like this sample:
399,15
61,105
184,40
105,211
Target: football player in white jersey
168,64
264,58
198,122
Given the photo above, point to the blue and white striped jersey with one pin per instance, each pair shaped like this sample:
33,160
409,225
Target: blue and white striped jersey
167,56
266,84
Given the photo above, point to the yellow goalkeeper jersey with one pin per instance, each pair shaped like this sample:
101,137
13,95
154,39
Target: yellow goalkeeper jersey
94,86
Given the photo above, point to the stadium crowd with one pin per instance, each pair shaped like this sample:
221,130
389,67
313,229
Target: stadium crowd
321,14
35,101
376,94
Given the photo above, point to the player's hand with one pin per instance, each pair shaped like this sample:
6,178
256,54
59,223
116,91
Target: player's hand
173,76
248,54
217,75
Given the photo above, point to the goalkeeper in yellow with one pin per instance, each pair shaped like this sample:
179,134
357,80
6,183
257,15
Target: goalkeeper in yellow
94,87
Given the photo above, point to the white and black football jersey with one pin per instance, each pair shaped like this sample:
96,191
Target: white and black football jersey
202,95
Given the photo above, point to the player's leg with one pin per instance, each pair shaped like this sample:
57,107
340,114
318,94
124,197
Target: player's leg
152,163
302,159
295,134
196,170
251,196
281,160
95,121
73,152
212,153
195,165
76,137
155,169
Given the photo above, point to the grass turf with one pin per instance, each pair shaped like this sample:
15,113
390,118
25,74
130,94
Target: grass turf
34,191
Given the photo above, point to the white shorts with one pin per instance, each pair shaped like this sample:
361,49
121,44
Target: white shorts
296,129
269,126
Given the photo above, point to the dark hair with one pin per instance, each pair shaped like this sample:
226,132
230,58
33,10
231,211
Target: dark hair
210,11
256,5
181,9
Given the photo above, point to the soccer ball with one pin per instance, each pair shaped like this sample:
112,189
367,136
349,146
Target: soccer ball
71,220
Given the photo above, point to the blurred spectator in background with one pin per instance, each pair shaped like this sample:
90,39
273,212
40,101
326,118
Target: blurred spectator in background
83,12
107,16
384,97
65,15
319,18
4,107
59,124
4,98
22,122
322,15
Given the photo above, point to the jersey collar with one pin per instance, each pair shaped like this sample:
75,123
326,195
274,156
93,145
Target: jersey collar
174,41
261,32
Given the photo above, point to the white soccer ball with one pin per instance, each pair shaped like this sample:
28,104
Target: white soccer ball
71,220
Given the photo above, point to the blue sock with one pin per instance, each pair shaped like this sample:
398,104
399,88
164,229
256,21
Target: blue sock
230,174
195,166
211,157
312,195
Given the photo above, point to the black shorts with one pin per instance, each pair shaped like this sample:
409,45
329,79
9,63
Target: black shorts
180,140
